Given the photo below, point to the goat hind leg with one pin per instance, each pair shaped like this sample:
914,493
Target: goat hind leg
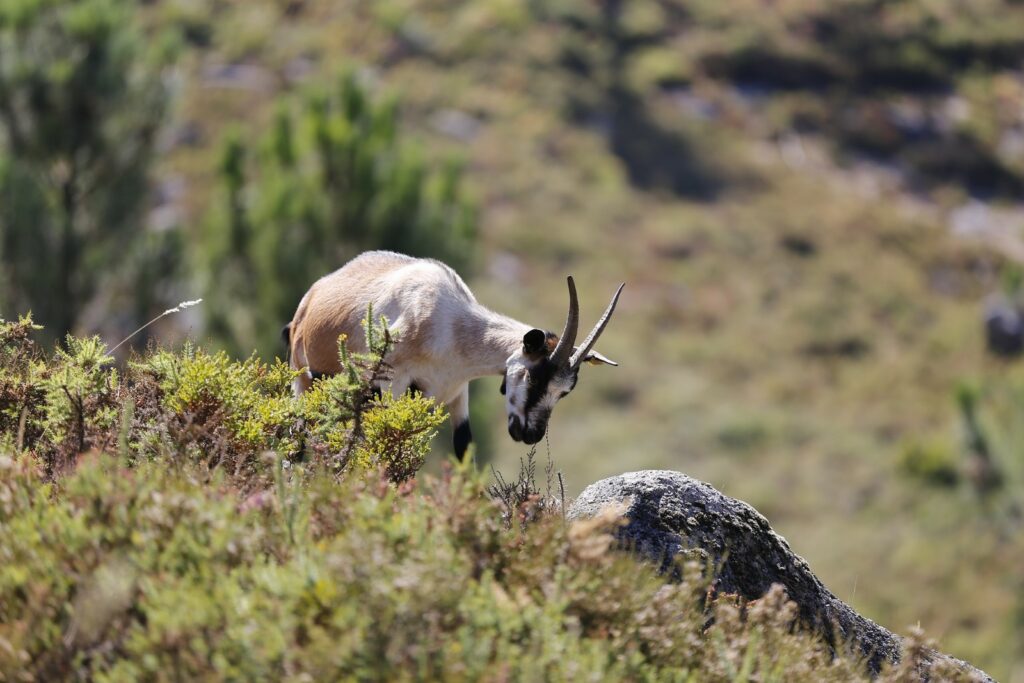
462,436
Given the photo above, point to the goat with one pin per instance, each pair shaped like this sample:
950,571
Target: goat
445,339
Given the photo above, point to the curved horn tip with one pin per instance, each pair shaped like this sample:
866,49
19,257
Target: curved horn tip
581,353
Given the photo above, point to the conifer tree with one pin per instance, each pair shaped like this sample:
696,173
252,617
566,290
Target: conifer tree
81,101
333,177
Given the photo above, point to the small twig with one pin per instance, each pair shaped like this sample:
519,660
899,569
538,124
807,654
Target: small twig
549,468
21,427
177,309
80,409
561,488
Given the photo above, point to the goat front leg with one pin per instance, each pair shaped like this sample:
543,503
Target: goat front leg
459,410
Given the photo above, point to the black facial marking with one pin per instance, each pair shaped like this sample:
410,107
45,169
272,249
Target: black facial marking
538,385
540,377
461,439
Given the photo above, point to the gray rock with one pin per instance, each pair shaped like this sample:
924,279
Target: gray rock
669,513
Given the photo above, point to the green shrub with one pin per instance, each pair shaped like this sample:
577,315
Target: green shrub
79,389
333,177
20,392
151,574
933,462
230,411
206,409
212,545
397,434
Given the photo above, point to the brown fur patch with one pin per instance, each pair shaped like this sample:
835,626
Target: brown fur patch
550,341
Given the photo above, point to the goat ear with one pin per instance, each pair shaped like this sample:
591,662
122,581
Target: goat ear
595,358
533,342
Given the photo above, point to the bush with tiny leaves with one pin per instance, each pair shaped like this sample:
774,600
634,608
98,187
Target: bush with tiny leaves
204,525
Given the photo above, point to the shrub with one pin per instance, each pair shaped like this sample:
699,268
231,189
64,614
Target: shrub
20,393
78,389
521,500
150,573
227,411
932,462
397,434
198,551
206,408
333,177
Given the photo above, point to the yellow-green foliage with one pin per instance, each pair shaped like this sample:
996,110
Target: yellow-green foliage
397,435
254,397
19,370
933,462
78,375
324,401
194,551
204,408
154,574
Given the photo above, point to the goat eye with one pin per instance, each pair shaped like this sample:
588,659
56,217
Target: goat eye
502,389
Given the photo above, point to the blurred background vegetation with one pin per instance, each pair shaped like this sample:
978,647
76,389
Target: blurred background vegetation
816,206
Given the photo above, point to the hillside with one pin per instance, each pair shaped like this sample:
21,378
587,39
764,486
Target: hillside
792,220
808,205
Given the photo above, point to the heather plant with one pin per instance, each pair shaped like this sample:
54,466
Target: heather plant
358,424
224,411
20,393
78,390
17,348
134,573
343,398
194,406
206,535
521,499
396,435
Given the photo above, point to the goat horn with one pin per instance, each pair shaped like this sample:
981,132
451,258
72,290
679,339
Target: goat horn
560,356
588,343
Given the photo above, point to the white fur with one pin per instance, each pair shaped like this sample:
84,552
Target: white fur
445,337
